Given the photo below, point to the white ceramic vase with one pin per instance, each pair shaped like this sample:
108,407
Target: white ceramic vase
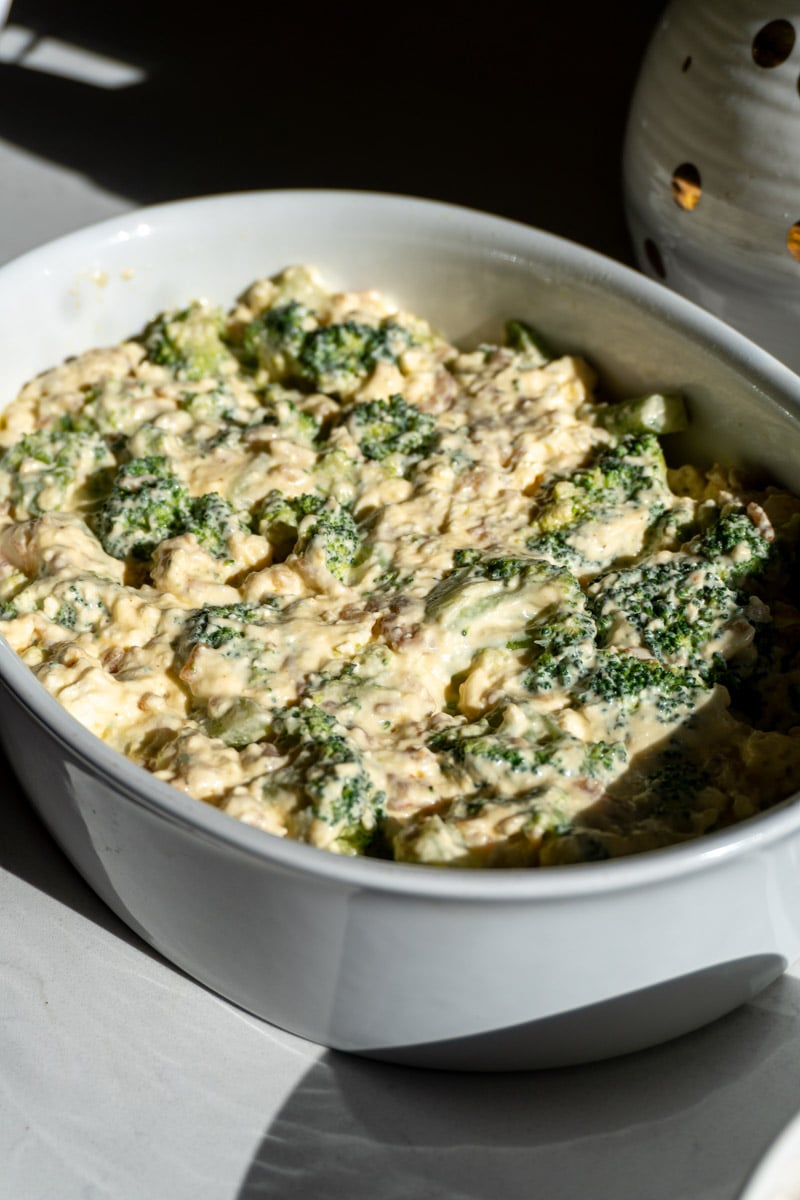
712,164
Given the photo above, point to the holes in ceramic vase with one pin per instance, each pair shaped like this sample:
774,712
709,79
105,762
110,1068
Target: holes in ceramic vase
793,241
773,43
654,258
687,62
687,187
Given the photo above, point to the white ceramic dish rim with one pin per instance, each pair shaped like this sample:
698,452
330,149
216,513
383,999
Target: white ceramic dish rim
462,884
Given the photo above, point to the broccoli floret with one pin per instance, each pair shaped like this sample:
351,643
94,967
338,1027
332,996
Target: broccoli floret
288,344
677,609
603,759
218,404
734,545
147,504
618,475
278,407
528,343
627,680
631,473
277,517
274,339
46,470
466,593
80,607
674,783
241,723
336,358
473,746
466,557
215,624
658,413
384,428
212,520
334,536
508,752
188,342
336,473
8,610
563,649
327,771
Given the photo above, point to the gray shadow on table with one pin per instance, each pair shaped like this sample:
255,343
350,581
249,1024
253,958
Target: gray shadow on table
522,115
28,851
686,1119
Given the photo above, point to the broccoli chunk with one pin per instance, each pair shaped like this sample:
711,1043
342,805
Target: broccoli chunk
81,607
490,755
212,520
334,537
188,342
626,680
630,475
274,339
326,774
563,649
50,469
337,358
279,407
618,475
526,341
385,428
147,504
734,545
216,624
509,591
277,518
677,609
240,724
658,412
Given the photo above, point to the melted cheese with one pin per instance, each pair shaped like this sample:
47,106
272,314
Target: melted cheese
312,564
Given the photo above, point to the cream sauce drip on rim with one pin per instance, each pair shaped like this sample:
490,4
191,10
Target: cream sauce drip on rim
312,564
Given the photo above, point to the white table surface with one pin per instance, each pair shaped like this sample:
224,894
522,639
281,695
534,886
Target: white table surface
122,1078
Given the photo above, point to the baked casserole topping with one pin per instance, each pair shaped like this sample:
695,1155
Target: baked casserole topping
311,564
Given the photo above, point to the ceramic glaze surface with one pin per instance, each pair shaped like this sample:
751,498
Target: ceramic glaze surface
712,164
452,968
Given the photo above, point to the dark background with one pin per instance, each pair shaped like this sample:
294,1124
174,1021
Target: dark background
515,109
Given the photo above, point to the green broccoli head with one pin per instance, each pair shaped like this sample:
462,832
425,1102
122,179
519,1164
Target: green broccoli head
627,681
327,775
212,520
279,407
274,339
337,358
188,342
471,591
676,609
147,504
334,535
618,475
524,340
47,469
218,625
562,649
384,428
277,518
734,545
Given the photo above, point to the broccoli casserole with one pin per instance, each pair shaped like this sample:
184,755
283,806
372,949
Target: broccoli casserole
312,564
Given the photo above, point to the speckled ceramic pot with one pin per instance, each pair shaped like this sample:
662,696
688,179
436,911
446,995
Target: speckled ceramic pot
712,163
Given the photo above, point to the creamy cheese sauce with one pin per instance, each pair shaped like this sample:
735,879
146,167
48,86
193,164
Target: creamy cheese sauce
312,564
